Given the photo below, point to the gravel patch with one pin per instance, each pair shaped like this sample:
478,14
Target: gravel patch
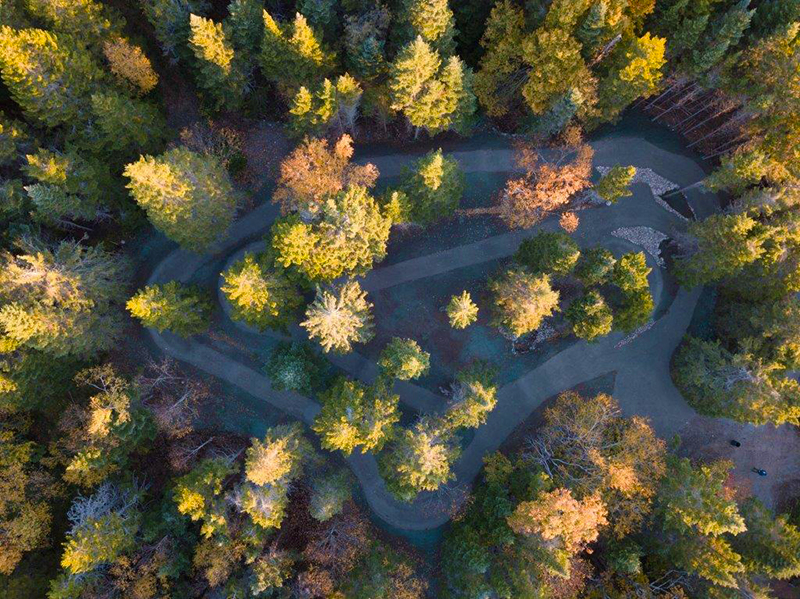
631,336
648,238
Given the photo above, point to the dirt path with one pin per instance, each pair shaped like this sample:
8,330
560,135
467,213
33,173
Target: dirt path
643,382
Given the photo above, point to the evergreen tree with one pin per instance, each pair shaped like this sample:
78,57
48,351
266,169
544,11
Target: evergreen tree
434,185
462,311
432,95
246,25
770,546
419,459
123,127
62,300
634,72
85,19
14,138
180,309
522,300
130,65
590,316
594,266
432,20
724,33
279,457
321,15
219,74
170,20
340,318
198,494
295,367
365,41
403,359
548,253
473,397
614,184
292,54
50,76
356,416
187,196
348,235
329,493
260,295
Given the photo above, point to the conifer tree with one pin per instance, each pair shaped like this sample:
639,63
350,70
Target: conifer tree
329,493
594,266
62,300
296,367
419,459
180,309
403,359
50,76
14,138
432,20
321,15
340,318
260,295
462,311
219,73
85,19
198,494
123,127
770,546
170,19
434,185
187,196
473,397
356,416
292,54
246,24
522,300
590,316
365,41
279,457
721,35
548,253
130,65
614,184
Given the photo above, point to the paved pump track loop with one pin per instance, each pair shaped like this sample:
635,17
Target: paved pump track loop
643,384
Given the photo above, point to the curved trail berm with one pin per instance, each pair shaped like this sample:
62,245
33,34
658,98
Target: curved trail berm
643,382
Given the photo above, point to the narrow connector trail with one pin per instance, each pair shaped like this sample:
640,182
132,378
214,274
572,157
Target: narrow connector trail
642,386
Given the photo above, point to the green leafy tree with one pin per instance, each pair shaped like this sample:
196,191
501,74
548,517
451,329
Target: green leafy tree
339,318
433,95
461,311
590,316
594,266
434,185
615,183
187,196
432,20
181,309
296,367
630,272
403,359
420,459
473,397
50,76
521,301
329,493
634,310
170,20
271,571
219,73
549,253
356,416
259,295
384,572
292,54
123,127
347,236
62,300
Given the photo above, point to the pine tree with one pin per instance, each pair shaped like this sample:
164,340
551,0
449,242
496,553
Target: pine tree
180,309
434,185
51,77
340,318
130,65
198,494
260,295
473,397
347,237
296,367
123,127
321,15
62,300
590,316
548,253
187,196
219,73
722,35
432,20
614,184
329,493
770,546
170,19
14,138
313,111
85,19
522,300
246,25
635,71
356,416
279,457
403,359
419,459
365,41
462,311
594,266
292,54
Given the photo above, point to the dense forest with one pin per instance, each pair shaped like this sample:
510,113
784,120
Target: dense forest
124,121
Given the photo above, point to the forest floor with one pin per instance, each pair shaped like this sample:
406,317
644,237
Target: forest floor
408,294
